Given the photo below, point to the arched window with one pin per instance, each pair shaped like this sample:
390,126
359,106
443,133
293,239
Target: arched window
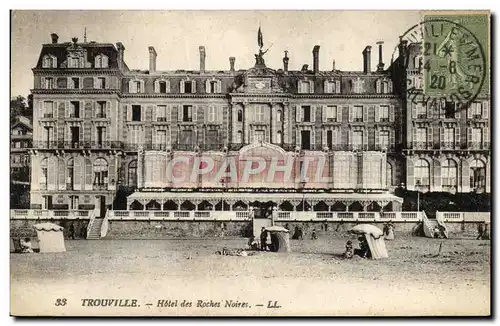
477,175
239,136
389,174
422,173
44,173
132,174
70,174
279,137
449,174
279,116
49,61
101,61
240,115
100,172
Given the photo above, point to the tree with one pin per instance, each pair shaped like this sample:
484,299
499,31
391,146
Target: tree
18,106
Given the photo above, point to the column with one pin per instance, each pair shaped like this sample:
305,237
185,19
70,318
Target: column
246,122
286,127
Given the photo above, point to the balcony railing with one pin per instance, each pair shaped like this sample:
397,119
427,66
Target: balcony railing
100,116
100,186
448,145
477,116
421,145
161,119
74,116
478,145
37,214
384,119
422,116
48,115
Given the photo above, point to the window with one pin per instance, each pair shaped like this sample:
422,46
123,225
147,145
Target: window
101,135
449,173
136,113
100,83
187,113
306,113
259,136
212,137
70,181
385,87
357,114
384,139
100,172
422,173
135,86
74,200
187,137
304,87
329,139
449,110
73,62
279,116
476,110
305,139
477,175
389,174
49,82
384,113
188,87
74,107
357,86
101,61
213,86
239,136
240,116
161,139
421,135
212,113
101,109
357,140
332,87
259,113
49,61
421,111
74,83
75,137
132,174
163,87
449,136
48,109
161,113
477,135
331,113
279,137
134,135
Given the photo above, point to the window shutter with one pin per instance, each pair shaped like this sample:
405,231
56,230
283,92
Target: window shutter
335,137
77,173
429,109
441,134
469,137
486,136
325,87
96,82
365,113
377,139
313,113
167,86
436,185
389,87
311,87
414,135
377,113
128,109
66,109
181,86
457,137
207,86
43,83
179,112
112,173
486,109
297,113
219,86
392,139
299,87
391,113
88,174
339,113
52,173
429,137
104,61
410,174
337,86
469,110
193,86
157,86
379,86
365,139
195,113
154,112
323,113
143,113
130,86
457,111
61,167
168,114
350,112
414,109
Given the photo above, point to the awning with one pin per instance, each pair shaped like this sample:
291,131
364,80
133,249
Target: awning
262,196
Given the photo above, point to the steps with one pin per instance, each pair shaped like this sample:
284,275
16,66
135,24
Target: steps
95,230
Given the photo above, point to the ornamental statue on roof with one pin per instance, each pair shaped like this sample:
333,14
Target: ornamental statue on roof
259,58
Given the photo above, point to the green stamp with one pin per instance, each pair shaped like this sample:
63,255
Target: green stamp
455,57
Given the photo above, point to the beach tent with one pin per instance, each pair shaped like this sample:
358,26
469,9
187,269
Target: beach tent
374,238
280,238
50,237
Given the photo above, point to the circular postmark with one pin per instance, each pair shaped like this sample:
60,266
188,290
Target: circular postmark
444,60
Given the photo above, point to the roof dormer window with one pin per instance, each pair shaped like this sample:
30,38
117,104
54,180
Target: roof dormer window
306,87
49,61
101,61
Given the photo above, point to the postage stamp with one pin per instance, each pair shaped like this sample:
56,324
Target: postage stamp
245,163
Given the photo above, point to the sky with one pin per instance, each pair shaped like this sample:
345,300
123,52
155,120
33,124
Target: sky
177,35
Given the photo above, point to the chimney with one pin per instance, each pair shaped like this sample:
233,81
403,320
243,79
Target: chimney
333,65
152,59
54,38
121,50
231,63
380,66
366,59
202,59
316,59
285,61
